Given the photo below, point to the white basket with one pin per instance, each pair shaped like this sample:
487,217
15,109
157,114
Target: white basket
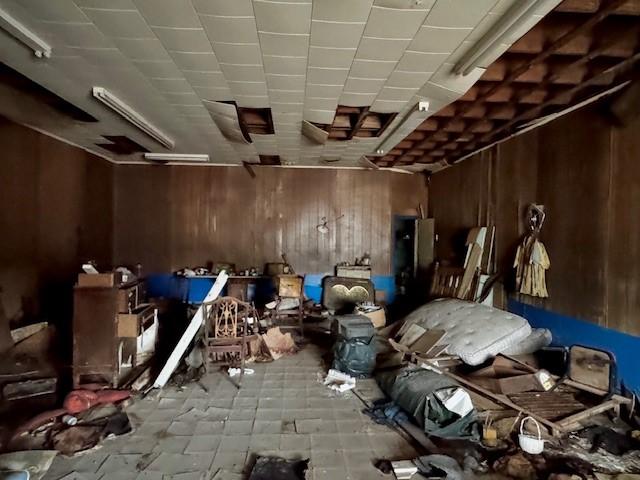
529,443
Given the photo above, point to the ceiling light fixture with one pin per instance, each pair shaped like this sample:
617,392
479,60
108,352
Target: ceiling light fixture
514,18
177,157
23,34
408,124
133,117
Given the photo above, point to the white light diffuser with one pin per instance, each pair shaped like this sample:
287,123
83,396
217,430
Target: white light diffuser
514,19
133,117
23,34
177,157
409,123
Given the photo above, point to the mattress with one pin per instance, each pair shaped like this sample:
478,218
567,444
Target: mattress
474,332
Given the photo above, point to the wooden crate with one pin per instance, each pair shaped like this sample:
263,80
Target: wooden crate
289,286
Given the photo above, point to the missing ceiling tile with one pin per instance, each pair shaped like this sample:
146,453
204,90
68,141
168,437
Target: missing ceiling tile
16,81
270,160
352,122
121,145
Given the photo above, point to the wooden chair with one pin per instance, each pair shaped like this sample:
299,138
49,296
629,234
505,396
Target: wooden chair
447,283
289,287
226,330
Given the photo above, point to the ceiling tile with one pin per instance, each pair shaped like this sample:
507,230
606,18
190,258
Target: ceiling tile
327,76
224,7
285,107
342,11
183,99
319,116
331,57
154,69
175,14
58,11
408,79
394,22
357,100
381,49
421,62
339,35
424,4
171,85
320,104
384,106
438,40
285,65
85,36
324,91
248,88
371,68
276,44
247,73
275,17
251,101
458,83
205,79
244,54
458,13
284,96
180,40
205,62
397,94
120,23
113,4
363,85
285,82
230,29
142,49
214,93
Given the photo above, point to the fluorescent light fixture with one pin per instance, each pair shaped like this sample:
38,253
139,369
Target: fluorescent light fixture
409,123
133,117
177,157
514,18
23,34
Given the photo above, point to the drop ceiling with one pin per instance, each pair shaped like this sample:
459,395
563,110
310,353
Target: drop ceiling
170,59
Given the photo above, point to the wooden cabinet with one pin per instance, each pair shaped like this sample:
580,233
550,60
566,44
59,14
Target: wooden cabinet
106,324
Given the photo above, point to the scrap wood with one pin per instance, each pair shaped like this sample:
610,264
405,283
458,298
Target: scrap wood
189,334
278,343
19,334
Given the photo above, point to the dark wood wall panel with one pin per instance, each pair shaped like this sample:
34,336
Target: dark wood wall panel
586,173
573,184
623,292
56,210
222,214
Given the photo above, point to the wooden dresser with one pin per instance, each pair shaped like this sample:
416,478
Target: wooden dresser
107,322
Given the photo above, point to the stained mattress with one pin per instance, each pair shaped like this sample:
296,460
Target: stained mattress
474,332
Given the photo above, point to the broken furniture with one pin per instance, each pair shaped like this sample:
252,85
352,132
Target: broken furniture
342,294
226,330
289,302
107,323
453,282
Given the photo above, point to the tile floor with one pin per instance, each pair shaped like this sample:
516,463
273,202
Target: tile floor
283,409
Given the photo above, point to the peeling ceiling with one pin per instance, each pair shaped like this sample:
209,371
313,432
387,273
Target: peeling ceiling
171,60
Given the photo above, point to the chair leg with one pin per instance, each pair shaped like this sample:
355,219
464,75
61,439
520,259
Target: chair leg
301,318
242,356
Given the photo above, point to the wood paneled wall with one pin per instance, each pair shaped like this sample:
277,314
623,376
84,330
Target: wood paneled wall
587,175
170,217
56,210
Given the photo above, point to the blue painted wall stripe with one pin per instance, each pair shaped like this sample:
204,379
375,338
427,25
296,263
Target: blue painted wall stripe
569,331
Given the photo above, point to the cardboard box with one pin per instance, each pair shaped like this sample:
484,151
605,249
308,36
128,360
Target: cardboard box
377,317
128,325
110,279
